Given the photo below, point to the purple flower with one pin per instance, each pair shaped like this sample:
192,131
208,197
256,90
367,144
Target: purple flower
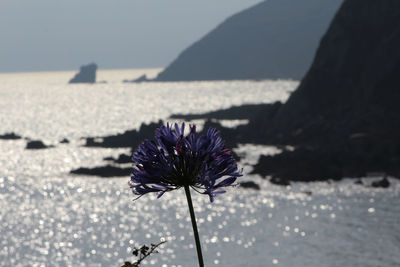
175,160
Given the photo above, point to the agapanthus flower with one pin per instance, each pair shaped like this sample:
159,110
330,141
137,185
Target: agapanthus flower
174,160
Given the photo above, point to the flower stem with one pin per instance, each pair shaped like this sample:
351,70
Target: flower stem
196,233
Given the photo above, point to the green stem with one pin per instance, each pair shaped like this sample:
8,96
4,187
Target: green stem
196,233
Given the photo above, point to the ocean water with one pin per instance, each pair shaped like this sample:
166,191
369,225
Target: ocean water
49,217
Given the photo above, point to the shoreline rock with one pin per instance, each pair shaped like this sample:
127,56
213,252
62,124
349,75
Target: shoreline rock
10,136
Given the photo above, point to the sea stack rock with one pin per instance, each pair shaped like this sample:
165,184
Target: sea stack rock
275,39
87,74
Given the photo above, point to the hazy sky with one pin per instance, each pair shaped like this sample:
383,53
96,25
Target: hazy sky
64,34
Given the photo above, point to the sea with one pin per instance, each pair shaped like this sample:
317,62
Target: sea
49,217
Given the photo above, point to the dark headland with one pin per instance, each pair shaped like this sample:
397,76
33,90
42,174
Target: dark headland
275,39
344,117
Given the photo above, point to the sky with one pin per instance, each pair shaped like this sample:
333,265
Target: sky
42,35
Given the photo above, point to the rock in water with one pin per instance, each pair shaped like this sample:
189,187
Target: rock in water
250,185
87,74
123,158
10,136
275,39
36,144
64,141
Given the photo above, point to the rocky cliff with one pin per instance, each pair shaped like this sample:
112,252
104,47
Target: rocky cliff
275,39
355,73
345,116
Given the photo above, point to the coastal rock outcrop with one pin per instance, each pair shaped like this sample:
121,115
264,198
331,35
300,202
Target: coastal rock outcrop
275,39
86,74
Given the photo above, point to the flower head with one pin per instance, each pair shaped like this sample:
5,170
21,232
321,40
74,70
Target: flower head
174,160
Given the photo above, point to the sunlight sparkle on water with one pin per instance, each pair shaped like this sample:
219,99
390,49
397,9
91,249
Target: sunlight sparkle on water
48,216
